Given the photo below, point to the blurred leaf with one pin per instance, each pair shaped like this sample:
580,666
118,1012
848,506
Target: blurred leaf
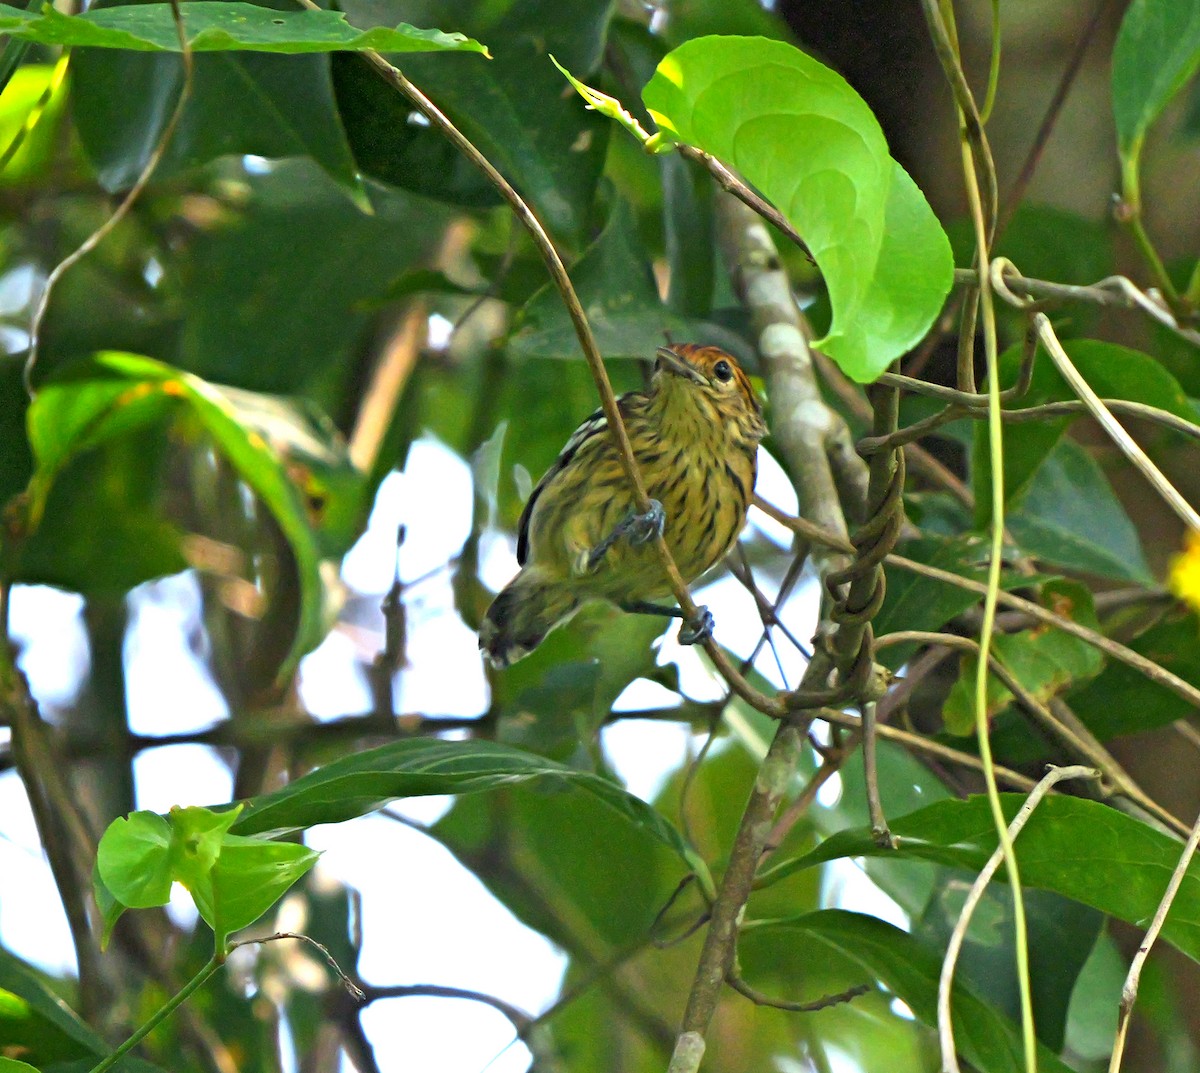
915,602
277,291
16,460
1060,932
220,27
1044,660
1156,52
1069,516
617,290
1124,701
561,863
361,783
100,530
910,970
269,106
31,110
698,18
799,133
35,1022
1080,849
1092,1018
691,244
98,401
1113,372
512,109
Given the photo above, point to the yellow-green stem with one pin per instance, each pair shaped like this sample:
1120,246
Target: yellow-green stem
989,99
165,1011
996,451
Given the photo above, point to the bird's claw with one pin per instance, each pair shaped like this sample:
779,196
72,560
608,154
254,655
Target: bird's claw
634,527
642,528
698,629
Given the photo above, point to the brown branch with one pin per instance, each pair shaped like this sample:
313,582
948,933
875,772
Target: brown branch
608,402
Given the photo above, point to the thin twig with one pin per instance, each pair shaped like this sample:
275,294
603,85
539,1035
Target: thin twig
957,936
1130,991
759,999
608,402
352,989
1112,426
1053,110
1156,673
521,1021
121,211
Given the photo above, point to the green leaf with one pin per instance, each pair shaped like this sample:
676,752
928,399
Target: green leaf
221,27
36,1020
11,1065
361,783
799,133
31,108
1114,372
134,860
1069,516
1124,701
910,970
1043,660
513,109
116,393
241,102
1080,849
616,286
248,877
1156,52
915,602
232,879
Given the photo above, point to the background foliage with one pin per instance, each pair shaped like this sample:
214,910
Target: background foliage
314,280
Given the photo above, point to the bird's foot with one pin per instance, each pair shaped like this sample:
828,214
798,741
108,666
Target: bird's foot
634,527
698,629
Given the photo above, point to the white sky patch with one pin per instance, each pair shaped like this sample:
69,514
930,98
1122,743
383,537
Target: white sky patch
47,627
180,695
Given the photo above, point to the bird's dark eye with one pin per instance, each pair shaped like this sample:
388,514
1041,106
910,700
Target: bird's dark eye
722,371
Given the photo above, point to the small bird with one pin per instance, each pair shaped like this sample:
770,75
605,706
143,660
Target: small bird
695,434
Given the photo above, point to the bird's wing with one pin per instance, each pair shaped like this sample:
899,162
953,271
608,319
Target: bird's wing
593,426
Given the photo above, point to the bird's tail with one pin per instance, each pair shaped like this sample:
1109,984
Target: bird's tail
527,609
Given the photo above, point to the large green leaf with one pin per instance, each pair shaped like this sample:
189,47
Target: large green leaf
221,27
242,100
37,1024
1070,516
1044,661
1114,372
910,970
1080,849
102,401
361,783
799,133
513,108
1124,701
295,244
1157,51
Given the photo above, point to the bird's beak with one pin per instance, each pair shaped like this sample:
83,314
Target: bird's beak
673,363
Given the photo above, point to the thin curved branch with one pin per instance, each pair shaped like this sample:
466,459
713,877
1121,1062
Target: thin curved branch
946,979
591,352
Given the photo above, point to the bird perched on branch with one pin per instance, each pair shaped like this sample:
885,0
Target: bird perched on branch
695,435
